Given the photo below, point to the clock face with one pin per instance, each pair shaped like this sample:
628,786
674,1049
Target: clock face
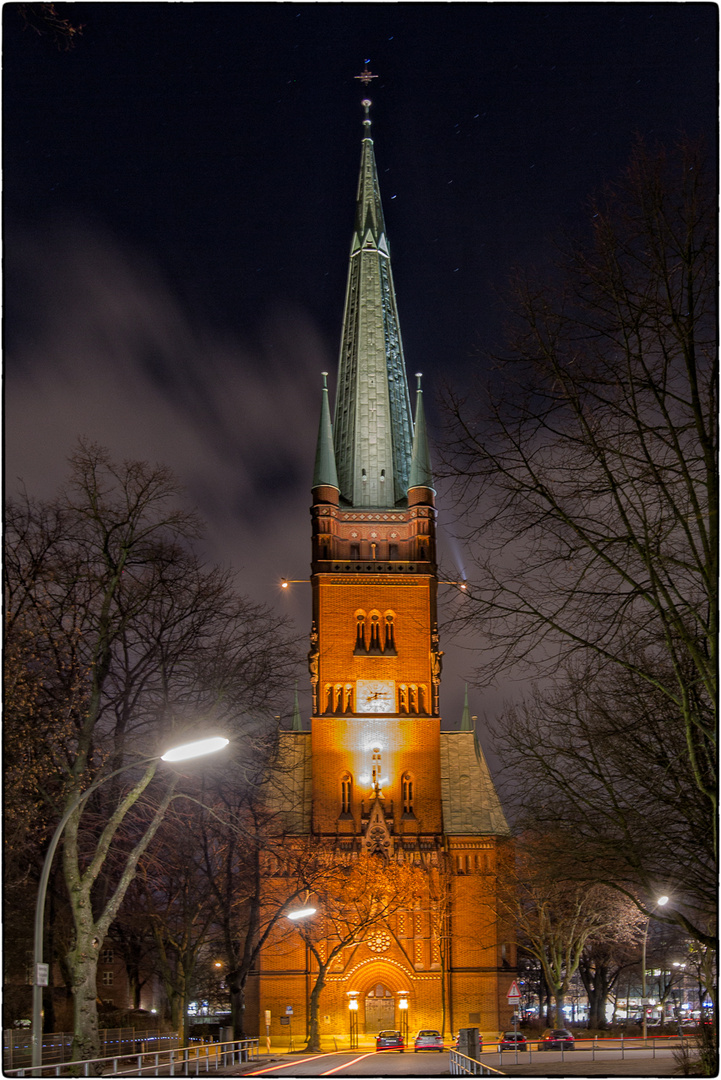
374,696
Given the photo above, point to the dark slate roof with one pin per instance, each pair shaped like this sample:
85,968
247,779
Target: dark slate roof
471,806
289,790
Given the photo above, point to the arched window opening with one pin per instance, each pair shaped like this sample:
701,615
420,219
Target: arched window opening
360,632
390,638
408,794
374,646
346,793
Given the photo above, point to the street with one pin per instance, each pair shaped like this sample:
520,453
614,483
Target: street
369,1063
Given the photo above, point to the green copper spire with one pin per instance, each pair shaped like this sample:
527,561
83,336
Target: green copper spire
325,470
421,474
297,722
372,424
466,714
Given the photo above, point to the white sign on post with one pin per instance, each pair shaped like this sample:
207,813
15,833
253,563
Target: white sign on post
42,974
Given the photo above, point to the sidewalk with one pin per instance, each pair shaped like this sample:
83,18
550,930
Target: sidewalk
659,1067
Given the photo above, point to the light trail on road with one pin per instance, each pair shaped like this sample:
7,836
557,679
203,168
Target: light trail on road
276,1068
347,1064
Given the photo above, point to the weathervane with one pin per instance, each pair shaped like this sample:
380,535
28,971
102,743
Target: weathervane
365,76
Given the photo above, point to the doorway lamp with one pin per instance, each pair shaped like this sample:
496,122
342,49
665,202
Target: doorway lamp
177,753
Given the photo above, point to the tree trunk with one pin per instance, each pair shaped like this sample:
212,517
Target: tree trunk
314,1036
83,962
236,989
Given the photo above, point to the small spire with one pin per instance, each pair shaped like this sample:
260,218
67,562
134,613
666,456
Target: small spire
366,103
297,722
421,474
325,473
466,714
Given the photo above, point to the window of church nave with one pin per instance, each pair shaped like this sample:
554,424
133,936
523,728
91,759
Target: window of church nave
346,791
408,792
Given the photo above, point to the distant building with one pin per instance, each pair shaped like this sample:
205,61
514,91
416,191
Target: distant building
375,773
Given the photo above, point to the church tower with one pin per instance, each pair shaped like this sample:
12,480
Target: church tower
375,774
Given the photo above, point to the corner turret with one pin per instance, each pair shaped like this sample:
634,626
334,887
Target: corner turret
420,481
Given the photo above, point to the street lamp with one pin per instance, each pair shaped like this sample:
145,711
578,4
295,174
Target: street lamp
661,902
353,1011
403,1007
40,973
301,913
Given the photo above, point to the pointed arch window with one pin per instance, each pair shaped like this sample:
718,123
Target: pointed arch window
360,632
390,634
408,793
374,645
346,793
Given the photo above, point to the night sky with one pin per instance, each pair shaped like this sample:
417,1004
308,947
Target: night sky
179,197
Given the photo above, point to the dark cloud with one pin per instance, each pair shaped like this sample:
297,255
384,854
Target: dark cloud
111,355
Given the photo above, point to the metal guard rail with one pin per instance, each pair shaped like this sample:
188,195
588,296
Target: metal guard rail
465,1066
196,1060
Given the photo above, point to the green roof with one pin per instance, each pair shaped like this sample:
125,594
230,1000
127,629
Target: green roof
372,424
471,806
325,470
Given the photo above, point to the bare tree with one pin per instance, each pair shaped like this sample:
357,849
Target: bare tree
557,918
353,896
588,471
136,644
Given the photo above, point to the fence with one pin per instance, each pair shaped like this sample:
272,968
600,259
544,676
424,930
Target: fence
57,1047
465,1066
179,1061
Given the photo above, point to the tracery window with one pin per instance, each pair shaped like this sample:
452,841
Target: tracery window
408,793
346,792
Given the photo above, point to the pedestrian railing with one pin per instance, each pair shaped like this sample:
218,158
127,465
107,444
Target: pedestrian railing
197,1060
623,1045
465,1066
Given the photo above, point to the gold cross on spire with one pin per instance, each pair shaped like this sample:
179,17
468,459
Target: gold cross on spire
365,76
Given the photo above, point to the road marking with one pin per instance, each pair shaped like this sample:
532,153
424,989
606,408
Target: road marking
274,1068
347,1064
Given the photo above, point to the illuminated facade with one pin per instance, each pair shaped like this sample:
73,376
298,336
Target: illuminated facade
375,773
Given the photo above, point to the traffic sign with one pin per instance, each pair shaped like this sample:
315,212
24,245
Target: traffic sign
514,994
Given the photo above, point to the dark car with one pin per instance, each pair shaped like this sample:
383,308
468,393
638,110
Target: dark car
390,1040
558,1039
512,1040
428,1040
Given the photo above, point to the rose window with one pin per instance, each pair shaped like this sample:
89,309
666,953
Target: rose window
379,941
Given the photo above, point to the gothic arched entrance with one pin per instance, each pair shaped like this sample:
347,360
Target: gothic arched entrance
380,1009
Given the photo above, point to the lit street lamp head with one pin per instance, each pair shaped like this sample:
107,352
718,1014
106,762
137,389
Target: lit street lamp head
301,913
195,749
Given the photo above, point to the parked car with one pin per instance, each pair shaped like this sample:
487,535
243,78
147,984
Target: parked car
428,1040
557,1039
512,1040
390,1040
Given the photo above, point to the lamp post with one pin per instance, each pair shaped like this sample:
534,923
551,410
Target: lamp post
40,970
353,1014
403,1007
661,902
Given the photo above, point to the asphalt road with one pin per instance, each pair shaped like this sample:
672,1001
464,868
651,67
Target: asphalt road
360,1063
639,1063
